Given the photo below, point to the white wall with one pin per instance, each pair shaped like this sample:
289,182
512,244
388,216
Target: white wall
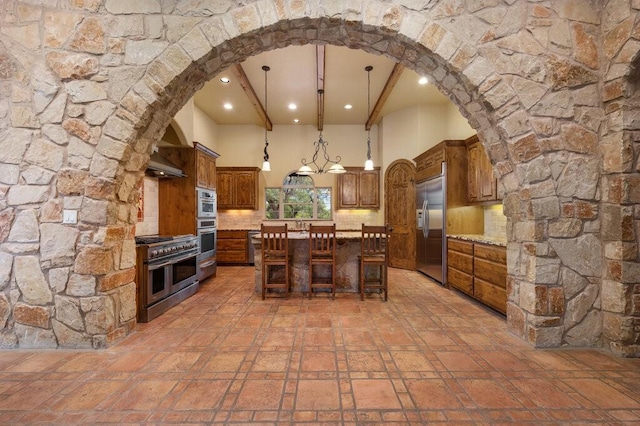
205,130
184,120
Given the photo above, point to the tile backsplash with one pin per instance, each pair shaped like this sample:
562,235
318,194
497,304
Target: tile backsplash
495,222
149,226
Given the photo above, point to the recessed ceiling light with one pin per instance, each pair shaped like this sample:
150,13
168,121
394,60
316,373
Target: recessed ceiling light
423,80
293,106
224,80
348,106
228,106
295,120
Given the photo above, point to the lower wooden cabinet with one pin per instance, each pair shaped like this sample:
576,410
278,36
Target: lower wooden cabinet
232,247
479,270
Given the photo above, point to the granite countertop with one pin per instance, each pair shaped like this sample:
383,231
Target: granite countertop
478,238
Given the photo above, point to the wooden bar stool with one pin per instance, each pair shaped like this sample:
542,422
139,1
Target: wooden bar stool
374,253
275,253
322,251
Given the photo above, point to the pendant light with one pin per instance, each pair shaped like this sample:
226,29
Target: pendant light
368,165
266,166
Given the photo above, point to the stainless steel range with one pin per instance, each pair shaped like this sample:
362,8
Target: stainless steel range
167,272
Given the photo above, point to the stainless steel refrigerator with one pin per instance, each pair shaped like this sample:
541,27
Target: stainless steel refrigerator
431,222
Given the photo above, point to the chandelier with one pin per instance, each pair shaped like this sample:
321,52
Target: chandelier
334,166
266,166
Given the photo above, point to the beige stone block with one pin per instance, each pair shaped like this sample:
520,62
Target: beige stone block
100,315
27,194
45,154
6,264
103,166
58,26
119,7
35,337
28,36
31,281
24,116
142,52
57,241
82,91
93,260
127,296
69,338
25,227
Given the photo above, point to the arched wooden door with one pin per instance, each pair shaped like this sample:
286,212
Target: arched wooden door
399,213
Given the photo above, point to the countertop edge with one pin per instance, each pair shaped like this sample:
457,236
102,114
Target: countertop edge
479,239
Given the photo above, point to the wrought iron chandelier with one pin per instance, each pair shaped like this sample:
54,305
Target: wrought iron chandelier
334,166
266,166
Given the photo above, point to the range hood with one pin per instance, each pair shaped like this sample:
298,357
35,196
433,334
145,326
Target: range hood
160,167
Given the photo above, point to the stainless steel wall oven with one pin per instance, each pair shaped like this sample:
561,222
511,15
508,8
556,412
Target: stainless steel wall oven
207,233
207,203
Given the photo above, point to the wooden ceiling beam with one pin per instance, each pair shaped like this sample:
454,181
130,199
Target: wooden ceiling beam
251,94
384,95
320,62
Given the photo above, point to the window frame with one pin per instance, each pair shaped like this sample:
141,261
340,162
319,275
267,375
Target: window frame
315,190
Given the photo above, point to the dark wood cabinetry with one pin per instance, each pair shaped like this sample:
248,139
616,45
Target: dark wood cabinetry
237,188
233,247
205,170
479,270
359,189
454,154
482,184
177,196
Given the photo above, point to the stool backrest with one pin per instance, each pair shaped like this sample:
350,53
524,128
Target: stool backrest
374,240
275,240
322,239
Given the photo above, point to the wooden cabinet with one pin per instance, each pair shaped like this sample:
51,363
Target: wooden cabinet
237,188
177,196
468,220
205,170
482,184
232,247
359,189
460,265
479,270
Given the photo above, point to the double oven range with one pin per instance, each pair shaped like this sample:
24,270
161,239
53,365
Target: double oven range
167,273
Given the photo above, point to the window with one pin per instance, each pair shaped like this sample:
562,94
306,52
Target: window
298,199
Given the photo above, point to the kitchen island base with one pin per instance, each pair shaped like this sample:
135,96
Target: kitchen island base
347,263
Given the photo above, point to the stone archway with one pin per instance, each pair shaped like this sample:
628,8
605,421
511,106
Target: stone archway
104,89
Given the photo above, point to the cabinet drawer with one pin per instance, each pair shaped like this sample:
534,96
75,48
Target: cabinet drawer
460,280
461,246
224,245
231,256
493,253
489,271
224,234
490,295
460,261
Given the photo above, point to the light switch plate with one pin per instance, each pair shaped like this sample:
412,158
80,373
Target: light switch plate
69,216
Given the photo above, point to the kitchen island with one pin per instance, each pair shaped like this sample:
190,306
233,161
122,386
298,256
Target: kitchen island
347,266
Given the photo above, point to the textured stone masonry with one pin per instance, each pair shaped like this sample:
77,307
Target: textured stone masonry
86,86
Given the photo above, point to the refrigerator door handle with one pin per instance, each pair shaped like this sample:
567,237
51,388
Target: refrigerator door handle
425,228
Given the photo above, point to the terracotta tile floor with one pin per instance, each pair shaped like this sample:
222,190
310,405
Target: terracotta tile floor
428,355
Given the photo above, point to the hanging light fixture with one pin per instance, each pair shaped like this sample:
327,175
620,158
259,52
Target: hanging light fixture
266,166
321,145
368,165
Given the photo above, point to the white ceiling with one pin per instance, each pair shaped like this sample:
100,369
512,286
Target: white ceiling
292,78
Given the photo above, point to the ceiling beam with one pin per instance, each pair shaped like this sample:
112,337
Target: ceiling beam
384,95
251,94
320,61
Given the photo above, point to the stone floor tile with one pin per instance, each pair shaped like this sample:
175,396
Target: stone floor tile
317,395
260,395
375,395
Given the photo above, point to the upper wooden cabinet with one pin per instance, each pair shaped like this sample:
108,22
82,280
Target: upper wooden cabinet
237,188
359,189
482,185
205,169
177,196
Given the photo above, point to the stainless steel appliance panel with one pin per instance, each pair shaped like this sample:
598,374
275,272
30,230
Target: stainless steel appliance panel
208,235
207,200
431,226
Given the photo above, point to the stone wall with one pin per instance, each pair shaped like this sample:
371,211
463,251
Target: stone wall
86,86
